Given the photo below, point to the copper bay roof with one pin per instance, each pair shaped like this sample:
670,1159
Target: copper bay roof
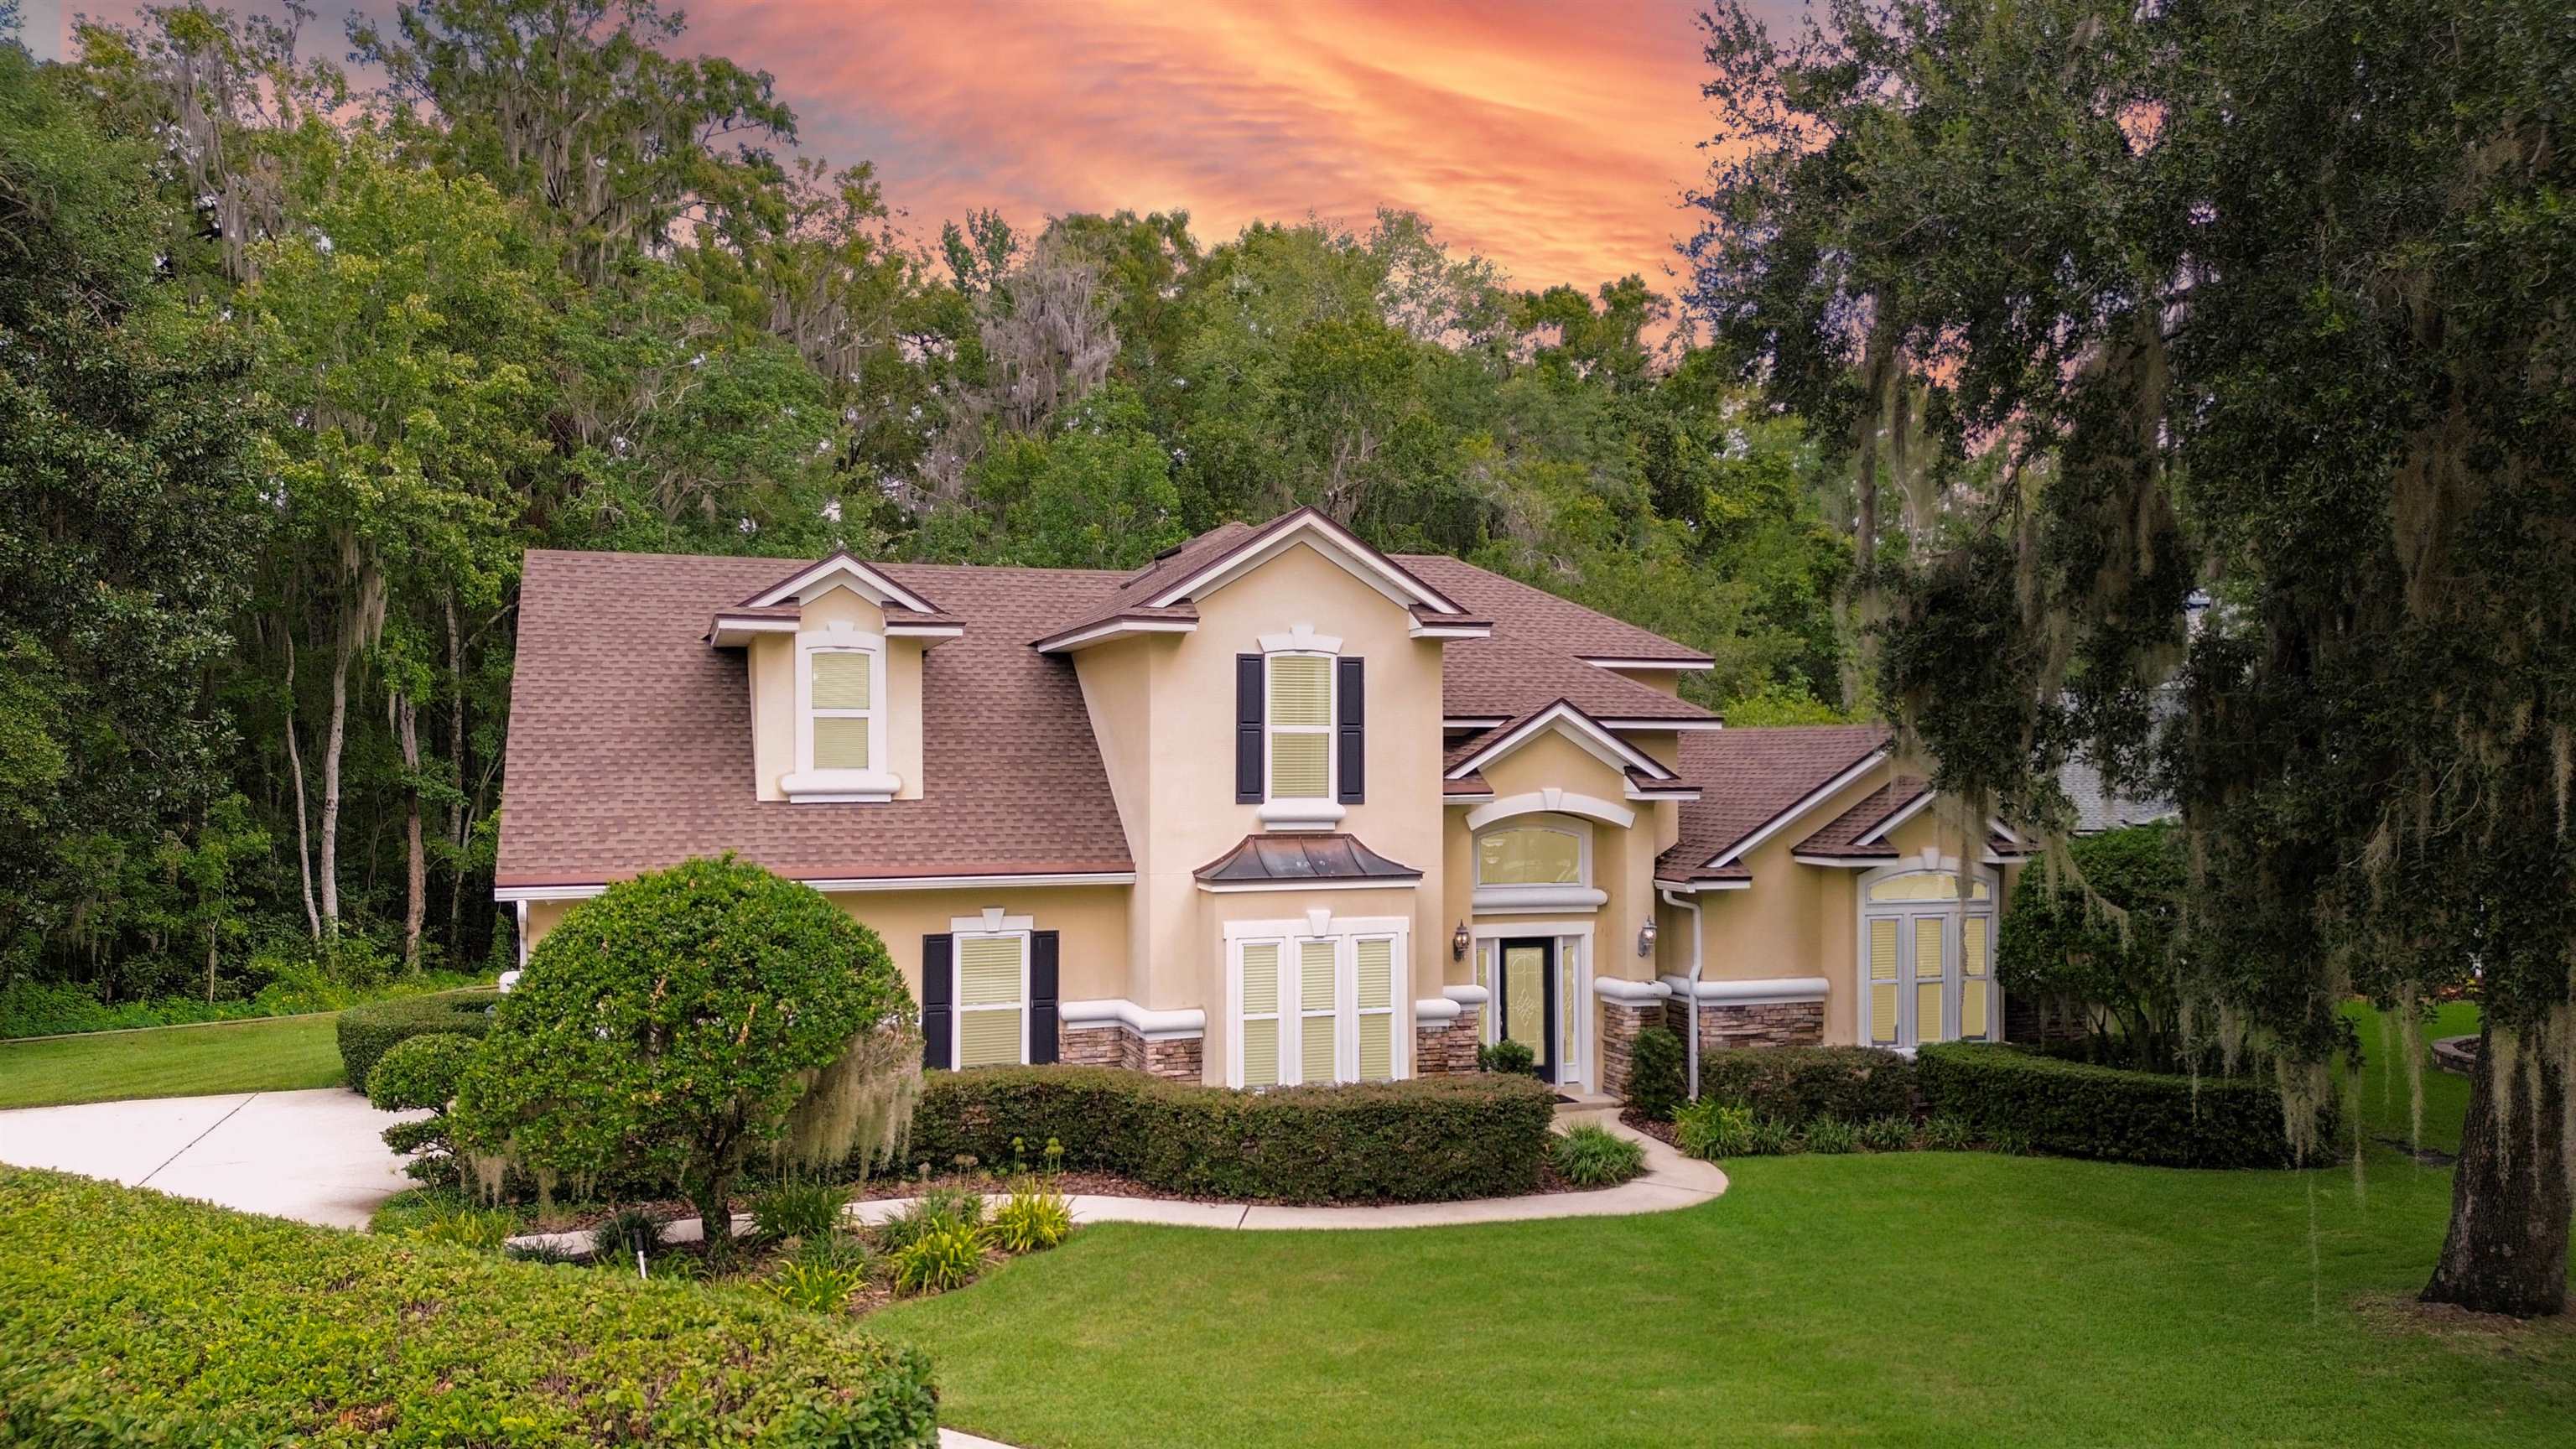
1308,858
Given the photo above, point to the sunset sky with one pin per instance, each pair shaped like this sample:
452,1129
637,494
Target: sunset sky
1554,138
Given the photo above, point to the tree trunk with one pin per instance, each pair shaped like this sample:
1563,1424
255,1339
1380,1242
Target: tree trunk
2507,1247
416,872
346,646
303,816
456,819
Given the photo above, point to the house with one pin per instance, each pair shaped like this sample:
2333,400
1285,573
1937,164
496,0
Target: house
1276,808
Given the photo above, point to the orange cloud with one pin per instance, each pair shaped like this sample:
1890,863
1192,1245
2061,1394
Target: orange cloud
1554,139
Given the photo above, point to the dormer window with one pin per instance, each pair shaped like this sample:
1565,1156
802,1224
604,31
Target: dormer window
840,718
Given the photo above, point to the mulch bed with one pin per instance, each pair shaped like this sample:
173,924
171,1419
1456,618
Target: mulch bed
1661,1131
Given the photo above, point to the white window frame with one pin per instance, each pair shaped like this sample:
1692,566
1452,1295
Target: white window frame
1345,933
874,784
1953,913
1506,899
968,928
1325,811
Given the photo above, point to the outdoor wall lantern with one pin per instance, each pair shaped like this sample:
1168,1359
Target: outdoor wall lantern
1458,943
1646,939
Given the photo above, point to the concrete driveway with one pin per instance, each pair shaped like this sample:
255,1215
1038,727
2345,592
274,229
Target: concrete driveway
314,1156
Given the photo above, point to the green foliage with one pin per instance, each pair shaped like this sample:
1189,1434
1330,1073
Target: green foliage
137,1317
283,982
1830,1135
812,1286
483,1230
1655,1066
1032,1218
1797,1085
1591,1155
1429,1139
1712,1130
2022,1101
2114,952
669,1025
1886,1134
799,1209
367,1032
617,1236
935,1210
1508,1057
946,1256
1947,1132
419,1071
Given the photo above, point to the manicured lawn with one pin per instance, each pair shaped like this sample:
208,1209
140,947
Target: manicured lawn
1904,1299
172,1061
2383,1098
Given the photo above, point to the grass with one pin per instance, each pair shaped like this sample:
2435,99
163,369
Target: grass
2382,1096
1913,1298
276,1055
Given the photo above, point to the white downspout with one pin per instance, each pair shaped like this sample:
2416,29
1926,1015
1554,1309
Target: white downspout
1690,1041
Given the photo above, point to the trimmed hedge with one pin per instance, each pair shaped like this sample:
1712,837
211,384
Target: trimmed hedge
368,1032
2075,1109
1797,1085
419,1071
1431,1139
130,1317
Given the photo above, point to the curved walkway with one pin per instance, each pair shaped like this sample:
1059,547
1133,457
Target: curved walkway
1670,1181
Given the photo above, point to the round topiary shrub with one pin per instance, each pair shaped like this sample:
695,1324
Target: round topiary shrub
672,1024
420,1071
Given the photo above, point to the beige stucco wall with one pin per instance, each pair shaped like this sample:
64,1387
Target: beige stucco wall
1803,920
1162,707
1623,857
772,669
1091,920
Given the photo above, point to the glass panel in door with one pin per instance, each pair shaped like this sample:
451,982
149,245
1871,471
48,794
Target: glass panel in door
1528,1003
1928,933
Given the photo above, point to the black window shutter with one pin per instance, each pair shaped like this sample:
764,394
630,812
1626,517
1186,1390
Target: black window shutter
1351,711
1042,992
938,991
1247,729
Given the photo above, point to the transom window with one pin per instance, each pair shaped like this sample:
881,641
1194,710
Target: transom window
1315,1009
1300,726
1529,855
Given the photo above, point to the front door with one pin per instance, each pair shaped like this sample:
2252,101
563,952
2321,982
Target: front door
1526,1005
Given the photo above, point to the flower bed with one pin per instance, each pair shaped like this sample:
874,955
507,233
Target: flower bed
138,1318
1431,1139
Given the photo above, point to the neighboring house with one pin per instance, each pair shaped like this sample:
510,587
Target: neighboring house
1276,808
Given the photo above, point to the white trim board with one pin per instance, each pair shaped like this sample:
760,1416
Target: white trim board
1570,721
1326,537
847,572
832,885
1611,661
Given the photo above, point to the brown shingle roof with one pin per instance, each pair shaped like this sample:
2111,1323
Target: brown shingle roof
1509,676
1533,613
630,737
1749,777
1841,835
